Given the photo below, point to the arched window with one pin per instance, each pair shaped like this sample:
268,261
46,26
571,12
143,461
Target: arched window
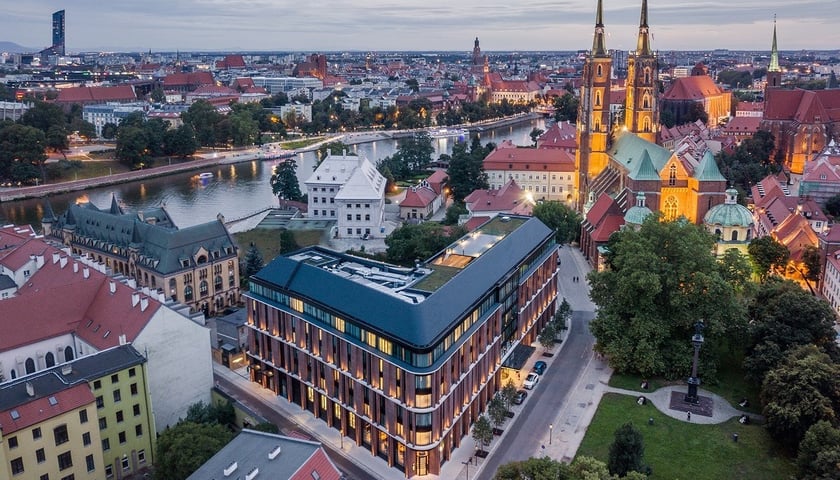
188,293
718,233
68,354
646,102
202,288
218,283
30,366
672,175
646,125
734,235
749,235
647,75
172,285
600,71
49,358
597,99
14,374
671,208
201,259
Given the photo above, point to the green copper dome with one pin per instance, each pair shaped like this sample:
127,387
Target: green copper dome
730,214
637,214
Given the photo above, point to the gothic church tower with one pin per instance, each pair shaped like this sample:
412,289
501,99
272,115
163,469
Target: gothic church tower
641,110
593,124
774,71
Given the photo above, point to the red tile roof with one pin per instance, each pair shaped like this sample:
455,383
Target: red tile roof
535,159
418,197
795,233
505,199
119,93
231,61
192,80
692,88
41,409
475,222
319,462
742,126
560,135
803,106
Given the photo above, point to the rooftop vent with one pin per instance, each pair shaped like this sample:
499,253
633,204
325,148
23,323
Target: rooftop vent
53,401
112,287
230,469
66,369
30,389
273,454
253,473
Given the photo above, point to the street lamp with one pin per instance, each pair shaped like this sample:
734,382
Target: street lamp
467,463
550,430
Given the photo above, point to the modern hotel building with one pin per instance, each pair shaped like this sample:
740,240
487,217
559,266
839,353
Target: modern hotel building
402,360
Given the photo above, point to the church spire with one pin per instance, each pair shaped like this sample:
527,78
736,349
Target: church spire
643,44
774,52
599,43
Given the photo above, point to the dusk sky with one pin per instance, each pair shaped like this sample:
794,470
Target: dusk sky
330,25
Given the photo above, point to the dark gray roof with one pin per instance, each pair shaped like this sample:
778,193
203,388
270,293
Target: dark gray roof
6,282
163,246
84,369
420,325
250,449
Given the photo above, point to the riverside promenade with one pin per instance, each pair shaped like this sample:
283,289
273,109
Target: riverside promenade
211,159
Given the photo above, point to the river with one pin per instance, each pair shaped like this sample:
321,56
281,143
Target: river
234,191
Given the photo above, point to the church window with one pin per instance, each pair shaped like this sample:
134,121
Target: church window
646,102
672,175
734,235
600,71
671,208
647,75
597,99
646,127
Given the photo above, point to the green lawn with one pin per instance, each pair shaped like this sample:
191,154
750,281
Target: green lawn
268,240
679,450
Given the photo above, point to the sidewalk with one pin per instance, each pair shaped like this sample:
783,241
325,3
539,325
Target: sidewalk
722,411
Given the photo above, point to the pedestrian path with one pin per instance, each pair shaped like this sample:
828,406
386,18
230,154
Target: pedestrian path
722,411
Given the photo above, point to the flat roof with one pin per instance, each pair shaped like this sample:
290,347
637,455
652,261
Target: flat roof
416,306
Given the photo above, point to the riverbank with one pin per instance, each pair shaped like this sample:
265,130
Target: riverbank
222,158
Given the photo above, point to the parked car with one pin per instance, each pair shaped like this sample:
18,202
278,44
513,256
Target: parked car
520,397
540,367
531,381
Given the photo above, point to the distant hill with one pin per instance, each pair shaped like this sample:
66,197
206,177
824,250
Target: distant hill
13,47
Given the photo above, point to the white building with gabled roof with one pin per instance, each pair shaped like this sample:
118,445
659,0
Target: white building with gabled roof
350,190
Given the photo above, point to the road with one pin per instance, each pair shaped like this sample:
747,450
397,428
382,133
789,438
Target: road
350,470
546,399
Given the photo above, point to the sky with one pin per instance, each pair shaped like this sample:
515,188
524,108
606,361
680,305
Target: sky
371,25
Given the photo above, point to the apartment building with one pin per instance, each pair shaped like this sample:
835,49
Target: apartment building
402,360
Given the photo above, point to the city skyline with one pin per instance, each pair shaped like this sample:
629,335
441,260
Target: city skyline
412,25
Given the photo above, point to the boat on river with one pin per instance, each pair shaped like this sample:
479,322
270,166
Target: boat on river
205,175
448,132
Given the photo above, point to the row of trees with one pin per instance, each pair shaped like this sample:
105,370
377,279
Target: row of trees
751,161
140,141
662,278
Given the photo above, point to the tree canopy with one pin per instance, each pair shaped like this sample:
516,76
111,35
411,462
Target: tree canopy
768,256
800,392
627,451
466,172
660,281
186,446
284,181
819,452
559,217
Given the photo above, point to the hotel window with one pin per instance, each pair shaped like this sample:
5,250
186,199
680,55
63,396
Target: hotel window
13,442
86,438
36,432
121,437
17,466
83,418
103,423
106,444
349,216
40,456
61,435
138,430
120,417
65,461
91,466
125,464
141,457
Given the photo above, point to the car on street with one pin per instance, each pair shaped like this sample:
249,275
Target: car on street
531,381
520,397
540,367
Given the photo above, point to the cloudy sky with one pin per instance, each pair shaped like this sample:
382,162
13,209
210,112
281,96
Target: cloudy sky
329,25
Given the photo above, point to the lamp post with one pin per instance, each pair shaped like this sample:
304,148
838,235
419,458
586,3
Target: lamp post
693,380
550,430
467,463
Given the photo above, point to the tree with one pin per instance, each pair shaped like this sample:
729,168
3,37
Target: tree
566,107
219,412
284,182
559,217
535,134
287,241
109,131
803,390
819,452
84,128
811,260
157,95
413,85
627,451
416,152
832,206
253,261
204,119
736,269
333,148
782,316
131,146
768,256
454,212
659,281
562,315
482,432
542,468
466,173
547,336
180,141
22,154
507,394
497,411
186,446
44,115
267,427
589,468
697,112
413,242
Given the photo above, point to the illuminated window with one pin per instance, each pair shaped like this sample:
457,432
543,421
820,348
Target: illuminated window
672,175
671,208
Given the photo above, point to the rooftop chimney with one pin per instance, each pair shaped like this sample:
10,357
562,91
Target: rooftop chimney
112,287
86,272
56,256
63,262
75,267
123,340
144,304
30,389
135,299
